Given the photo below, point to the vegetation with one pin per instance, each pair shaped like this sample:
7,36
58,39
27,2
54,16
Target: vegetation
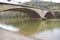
57,14
42,4
13,14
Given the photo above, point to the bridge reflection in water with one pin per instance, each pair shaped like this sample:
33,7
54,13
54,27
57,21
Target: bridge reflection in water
40,29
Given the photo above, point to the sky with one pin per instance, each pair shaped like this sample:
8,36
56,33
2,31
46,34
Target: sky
57,1
22,0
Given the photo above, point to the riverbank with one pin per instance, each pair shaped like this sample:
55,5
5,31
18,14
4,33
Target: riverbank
8,35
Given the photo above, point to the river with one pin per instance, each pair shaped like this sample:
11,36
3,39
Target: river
41,29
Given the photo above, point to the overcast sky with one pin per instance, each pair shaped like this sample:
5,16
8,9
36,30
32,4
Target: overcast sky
22,0
43,0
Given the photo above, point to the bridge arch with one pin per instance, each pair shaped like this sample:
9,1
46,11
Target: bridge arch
49,15
29,12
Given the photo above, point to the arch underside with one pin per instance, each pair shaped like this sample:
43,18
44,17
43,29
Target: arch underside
30,13
49,15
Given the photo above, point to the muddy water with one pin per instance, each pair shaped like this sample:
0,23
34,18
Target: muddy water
40,29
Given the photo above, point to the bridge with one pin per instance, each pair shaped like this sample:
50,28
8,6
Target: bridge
31,11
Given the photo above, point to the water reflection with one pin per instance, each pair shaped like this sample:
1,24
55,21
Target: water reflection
41,29
50,30
8,27
48,34
32,26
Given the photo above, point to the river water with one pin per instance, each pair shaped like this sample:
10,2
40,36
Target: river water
41,29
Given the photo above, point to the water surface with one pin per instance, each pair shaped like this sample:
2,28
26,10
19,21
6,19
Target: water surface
37,28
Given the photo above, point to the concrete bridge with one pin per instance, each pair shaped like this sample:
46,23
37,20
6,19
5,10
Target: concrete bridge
31,11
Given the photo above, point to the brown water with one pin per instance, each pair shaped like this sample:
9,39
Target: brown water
37,28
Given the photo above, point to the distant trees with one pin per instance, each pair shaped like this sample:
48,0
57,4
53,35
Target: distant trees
13,14
57,14
47,5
